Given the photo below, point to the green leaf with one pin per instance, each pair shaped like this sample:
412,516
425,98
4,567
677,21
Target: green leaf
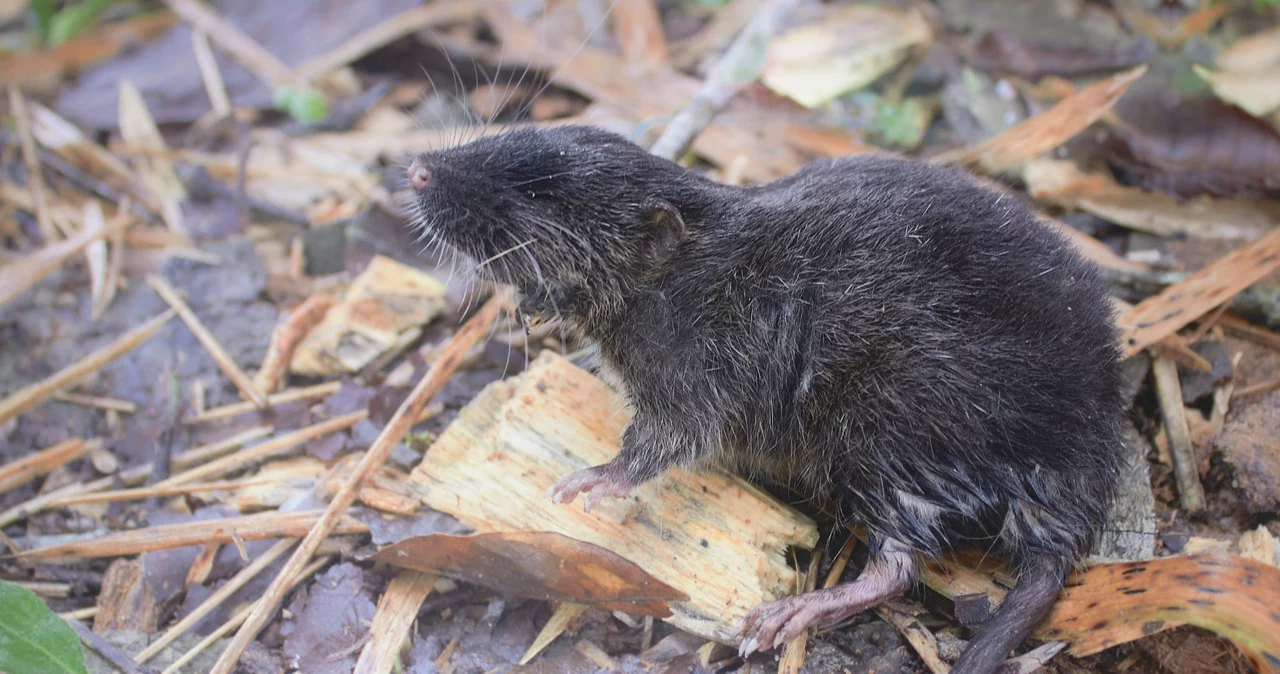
43,11
69,22
33,638
304,105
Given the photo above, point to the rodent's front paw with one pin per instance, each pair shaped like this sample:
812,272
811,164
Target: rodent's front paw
598,481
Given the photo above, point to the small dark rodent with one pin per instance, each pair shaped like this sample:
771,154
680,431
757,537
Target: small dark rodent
887,334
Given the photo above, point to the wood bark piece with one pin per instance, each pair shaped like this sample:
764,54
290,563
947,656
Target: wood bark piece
126,600
713,537
166,537
410,410
1178,305
397,611
387,299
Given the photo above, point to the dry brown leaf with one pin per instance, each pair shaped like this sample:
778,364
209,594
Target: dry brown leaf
1061,182
538,565
138,128
1248,73
1047,130
1178,305
848,48
1257,92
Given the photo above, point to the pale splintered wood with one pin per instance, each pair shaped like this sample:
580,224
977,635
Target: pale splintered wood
714,537
397,611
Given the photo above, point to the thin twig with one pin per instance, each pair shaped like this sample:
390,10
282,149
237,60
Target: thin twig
43,462
150,492
37,393
467,336
215,600
35,181
18,277
277,445
210,343
401,25
739,66
288,396
210,73
1169,390
118,658
232,40
99,402
236,620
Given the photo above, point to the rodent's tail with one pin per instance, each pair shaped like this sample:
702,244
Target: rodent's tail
1027,604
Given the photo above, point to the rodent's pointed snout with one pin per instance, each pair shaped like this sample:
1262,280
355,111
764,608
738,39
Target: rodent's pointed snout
419,175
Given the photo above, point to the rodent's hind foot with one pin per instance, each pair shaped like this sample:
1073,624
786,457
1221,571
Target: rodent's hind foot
886,576
598,482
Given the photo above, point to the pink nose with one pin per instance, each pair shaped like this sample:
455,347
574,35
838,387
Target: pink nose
419,176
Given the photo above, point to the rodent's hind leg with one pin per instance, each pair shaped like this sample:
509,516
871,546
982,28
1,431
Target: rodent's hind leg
891,572
598,481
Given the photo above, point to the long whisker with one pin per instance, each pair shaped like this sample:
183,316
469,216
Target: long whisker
504,253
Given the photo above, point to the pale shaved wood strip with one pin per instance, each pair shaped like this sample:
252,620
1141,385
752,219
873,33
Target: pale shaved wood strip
1164,314
256,527
396,613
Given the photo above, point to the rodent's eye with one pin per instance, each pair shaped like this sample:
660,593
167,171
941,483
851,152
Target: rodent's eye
532,194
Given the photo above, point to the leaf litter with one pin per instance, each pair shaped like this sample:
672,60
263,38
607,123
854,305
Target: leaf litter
307,318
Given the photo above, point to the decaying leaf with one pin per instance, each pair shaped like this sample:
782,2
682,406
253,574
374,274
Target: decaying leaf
1188,145
849,48
538,565
1061,182
1047,130
1248,73
387,299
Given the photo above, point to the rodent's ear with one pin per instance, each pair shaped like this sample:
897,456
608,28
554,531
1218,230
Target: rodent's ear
668,227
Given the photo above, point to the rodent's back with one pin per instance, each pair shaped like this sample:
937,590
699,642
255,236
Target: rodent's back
895,323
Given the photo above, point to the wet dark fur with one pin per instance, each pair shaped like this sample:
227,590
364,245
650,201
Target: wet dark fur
887,334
